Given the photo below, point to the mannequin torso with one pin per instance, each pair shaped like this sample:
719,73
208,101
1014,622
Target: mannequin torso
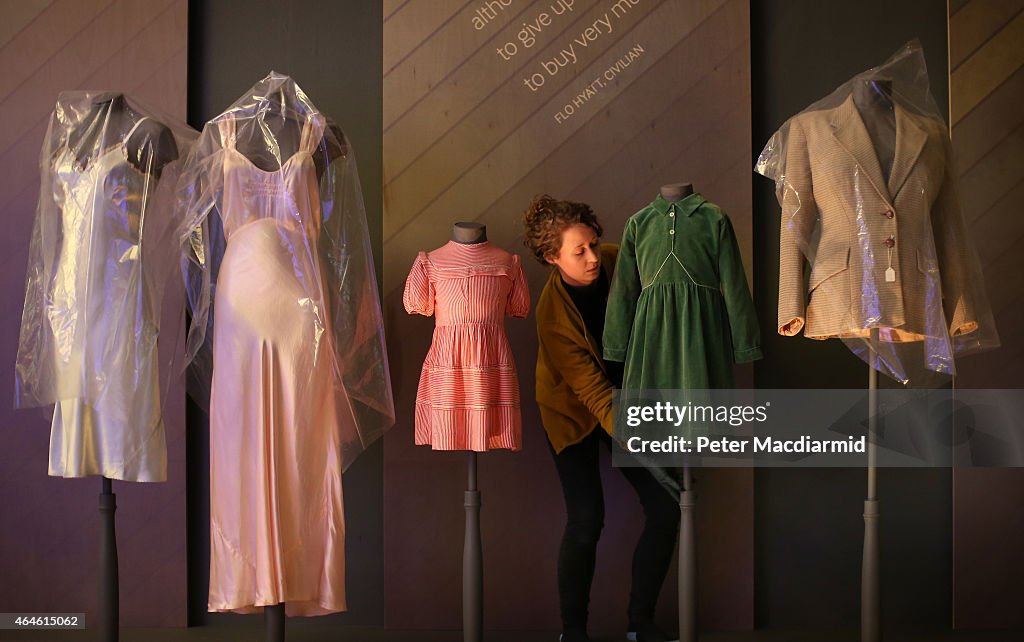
113,117
285,130
873,99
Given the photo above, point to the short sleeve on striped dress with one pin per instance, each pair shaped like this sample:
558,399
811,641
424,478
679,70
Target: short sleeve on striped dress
519,298
419,291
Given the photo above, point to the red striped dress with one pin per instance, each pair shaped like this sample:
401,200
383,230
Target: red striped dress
468,396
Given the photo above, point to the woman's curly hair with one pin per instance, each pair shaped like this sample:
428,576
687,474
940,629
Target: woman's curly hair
545,220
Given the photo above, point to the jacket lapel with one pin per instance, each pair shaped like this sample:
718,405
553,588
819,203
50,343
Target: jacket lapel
910,140
849,131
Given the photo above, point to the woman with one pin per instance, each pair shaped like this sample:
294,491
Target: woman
574,392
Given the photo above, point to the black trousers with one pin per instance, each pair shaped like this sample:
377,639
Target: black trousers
579,471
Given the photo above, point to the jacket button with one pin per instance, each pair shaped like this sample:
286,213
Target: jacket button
890,242
671,231
888,214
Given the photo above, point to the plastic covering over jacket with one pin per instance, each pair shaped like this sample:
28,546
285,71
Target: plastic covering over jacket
868,190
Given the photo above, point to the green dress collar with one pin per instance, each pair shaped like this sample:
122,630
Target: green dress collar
685,207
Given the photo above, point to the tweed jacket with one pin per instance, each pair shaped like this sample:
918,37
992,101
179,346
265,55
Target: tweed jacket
574,392
865,226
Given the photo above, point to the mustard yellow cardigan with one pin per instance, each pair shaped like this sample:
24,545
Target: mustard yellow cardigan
573,389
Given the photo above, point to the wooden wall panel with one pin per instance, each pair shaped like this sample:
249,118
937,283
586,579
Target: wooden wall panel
466,140
50,526
986,93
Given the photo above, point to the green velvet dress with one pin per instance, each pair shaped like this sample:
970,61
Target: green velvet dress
679,310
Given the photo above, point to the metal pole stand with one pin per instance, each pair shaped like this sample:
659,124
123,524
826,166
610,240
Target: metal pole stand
870,593
108,597
870,620
472,563
273,619
687,560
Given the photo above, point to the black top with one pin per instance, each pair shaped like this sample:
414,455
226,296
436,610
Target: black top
592,301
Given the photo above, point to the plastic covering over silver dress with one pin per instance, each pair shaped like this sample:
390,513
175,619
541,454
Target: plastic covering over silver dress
287,329
102,260
868,189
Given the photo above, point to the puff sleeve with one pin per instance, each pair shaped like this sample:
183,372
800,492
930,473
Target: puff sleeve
419,290
518,304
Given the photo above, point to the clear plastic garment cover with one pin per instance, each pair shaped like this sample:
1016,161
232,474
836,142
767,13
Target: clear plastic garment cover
102,263
275,177
868,188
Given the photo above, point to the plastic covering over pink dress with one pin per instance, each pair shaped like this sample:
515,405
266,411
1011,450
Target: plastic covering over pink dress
282,281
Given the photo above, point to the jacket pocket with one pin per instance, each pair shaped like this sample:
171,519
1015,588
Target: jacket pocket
827,267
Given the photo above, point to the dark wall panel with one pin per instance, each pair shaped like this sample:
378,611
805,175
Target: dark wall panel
465,140
986,90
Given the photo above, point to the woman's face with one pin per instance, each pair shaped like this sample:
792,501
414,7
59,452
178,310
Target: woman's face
579,258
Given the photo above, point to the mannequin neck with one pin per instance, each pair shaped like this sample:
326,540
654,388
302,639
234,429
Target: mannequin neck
469,233
873,97
676,191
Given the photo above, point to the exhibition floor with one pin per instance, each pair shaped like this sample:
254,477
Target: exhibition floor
310,632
